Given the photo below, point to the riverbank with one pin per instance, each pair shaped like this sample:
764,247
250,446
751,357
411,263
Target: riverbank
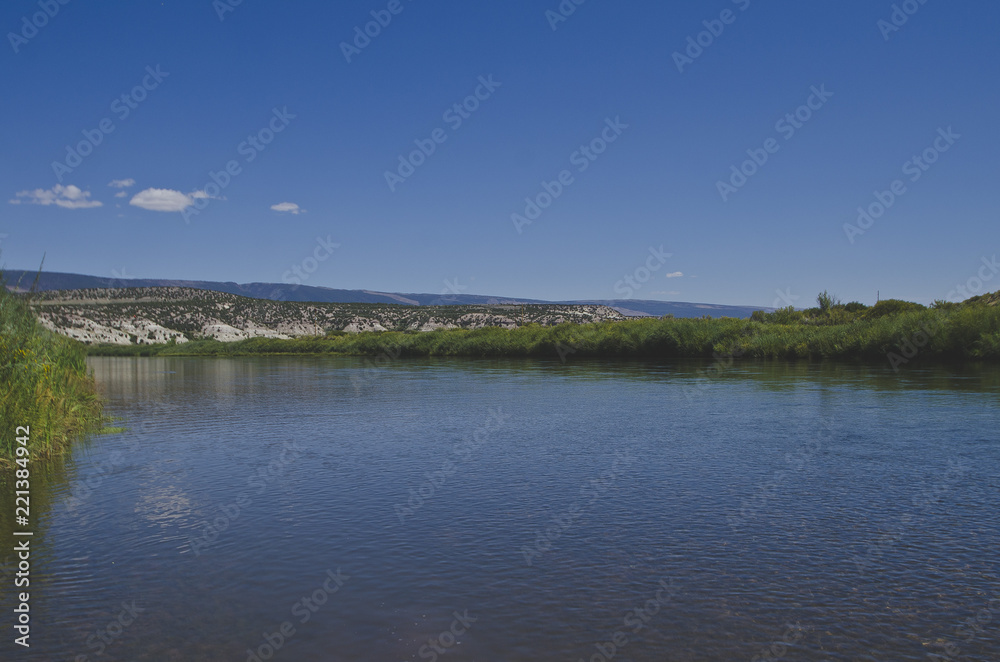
44,383
891,331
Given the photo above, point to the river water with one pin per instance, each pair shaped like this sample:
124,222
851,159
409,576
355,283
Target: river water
342,509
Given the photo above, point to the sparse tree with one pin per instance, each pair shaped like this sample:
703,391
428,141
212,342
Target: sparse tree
826,301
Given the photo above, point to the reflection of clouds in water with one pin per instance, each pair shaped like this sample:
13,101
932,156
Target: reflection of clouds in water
164,506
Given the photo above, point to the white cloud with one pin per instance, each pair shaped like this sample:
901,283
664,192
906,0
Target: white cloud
289,207
675,274
198,195
121,194
67,197
161,199
165,199
121,183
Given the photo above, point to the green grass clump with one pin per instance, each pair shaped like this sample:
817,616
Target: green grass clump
44,383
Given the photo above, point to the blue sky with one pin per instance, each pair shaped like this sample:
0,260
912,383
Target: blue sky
198,86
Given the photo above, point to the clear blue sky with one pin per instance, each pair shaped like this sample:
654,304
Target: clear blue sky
656,185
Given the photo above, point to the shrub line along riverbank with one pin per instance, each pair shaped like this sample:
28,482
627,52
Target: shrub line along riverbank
892,331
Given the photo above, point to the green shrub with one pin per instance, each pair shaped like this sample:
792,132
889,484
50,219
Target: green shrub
891,307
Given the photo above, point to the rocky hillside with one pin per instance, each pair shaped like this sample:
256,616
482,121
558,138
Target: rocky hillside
150,315
452,295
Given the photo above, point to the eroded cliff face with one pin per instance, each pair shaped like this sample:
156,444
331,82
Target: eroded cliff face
161,314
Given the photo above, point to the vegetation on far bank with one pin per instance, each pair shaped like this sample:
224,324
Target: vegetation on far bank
44,383
892,330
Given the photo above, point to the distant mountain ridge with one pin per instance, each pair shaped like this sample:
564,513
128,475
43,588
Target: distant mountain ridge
54,280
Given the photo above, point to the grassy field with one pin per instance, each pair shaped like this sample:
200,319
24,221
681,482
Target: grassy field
892,331
44,383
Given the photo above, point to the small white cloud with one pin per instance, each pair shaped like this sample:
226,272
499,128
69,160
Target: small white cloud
121,183
161,199
289,207
121,194
675,274
169,200
67,197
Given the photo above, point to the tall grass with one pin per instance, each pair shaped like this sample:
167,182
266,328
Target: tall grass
44,382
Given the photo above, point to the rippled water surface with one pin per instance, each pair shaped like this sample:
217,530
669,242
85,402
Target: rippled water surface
482,510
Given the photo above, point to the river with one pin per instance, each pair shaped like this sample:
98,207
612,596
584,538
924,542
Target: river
290,508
